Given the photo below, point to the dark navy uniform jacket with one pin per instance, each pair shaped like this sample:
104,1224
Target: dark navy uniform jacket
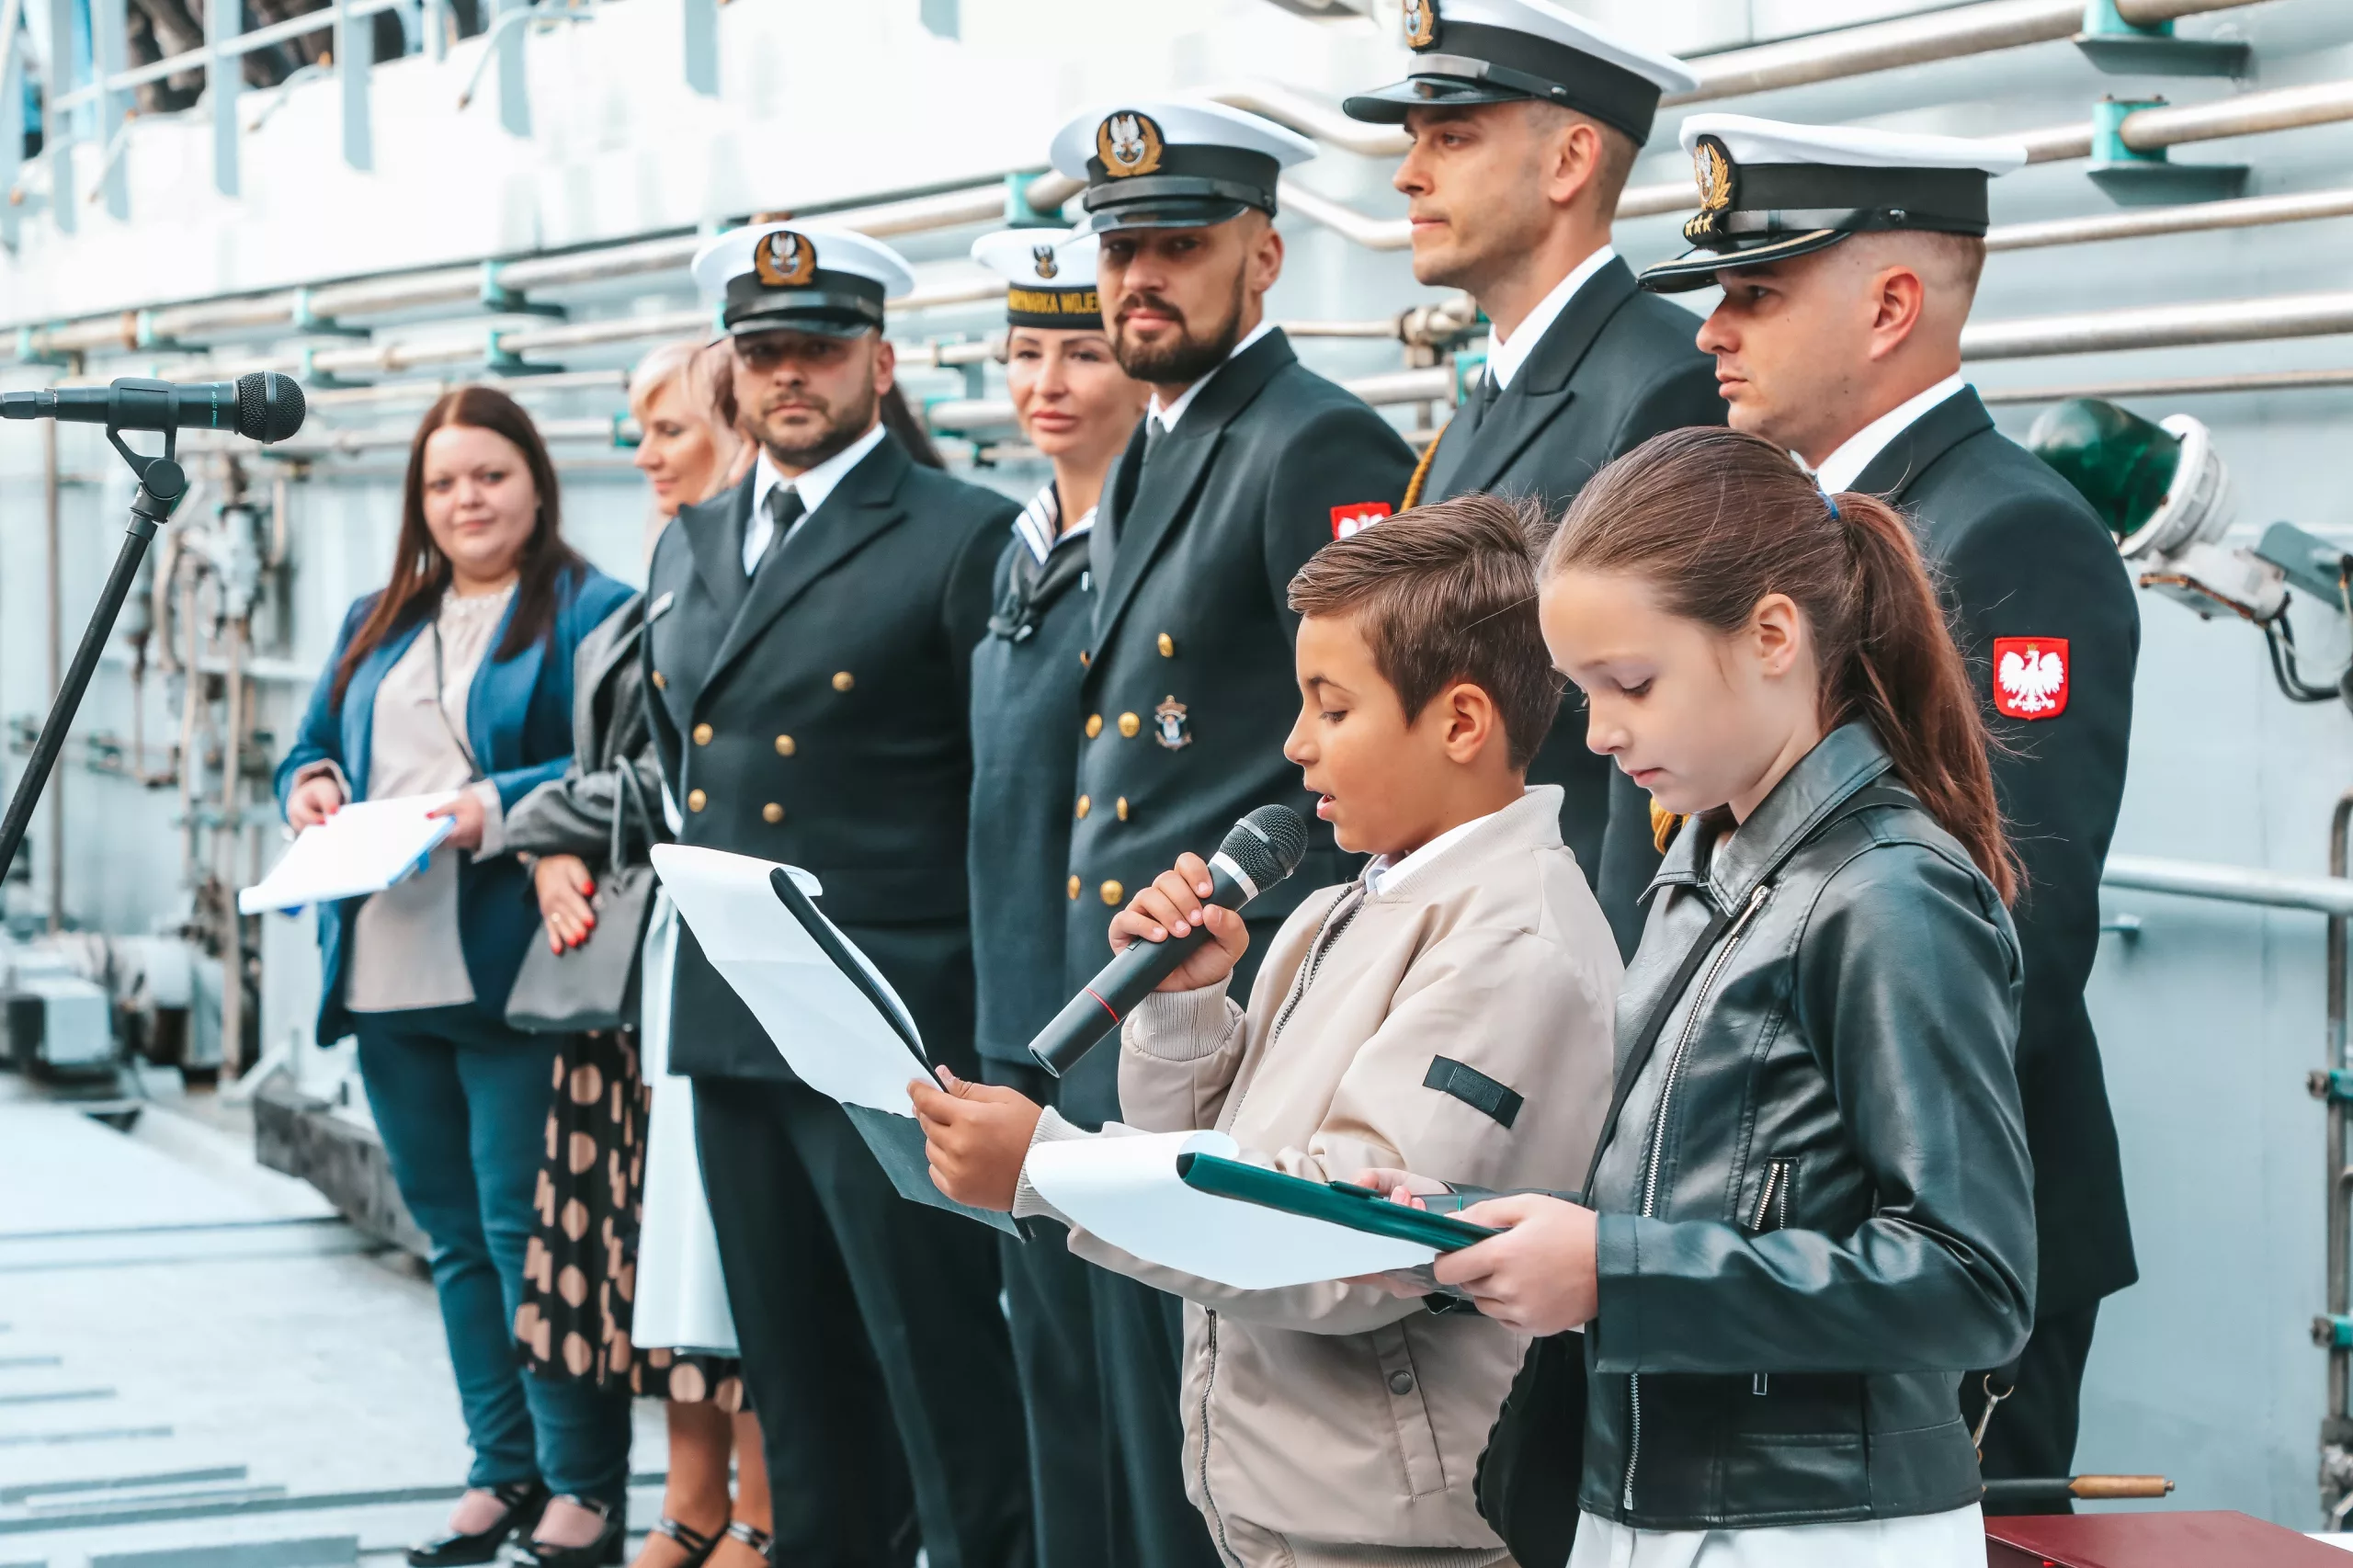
1617,367
816,713
1026,677
1188,690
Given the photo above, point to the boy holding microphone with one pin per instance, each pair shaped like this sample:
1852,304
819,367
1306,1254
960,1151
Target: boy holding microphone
1451,1010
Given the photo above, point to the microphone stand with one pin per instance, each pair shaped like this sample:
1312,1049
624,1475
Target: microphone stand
162,484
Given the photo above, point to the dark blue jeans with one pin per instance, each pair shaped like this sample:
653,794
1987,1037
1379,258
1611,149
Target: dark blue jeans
461,1101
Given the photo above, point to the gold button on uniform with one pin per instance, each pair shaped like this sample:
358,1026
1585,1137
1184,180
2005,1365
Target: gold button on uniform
697,800
1094,725
659,682
784,747
1113,892
772,812
702,734
1123,808
843,680
1167,646
1129,725
1085,806
1074,885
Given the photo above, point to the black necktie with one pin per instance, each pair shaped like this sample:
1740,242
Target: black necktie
1482,399
785,508
1154,432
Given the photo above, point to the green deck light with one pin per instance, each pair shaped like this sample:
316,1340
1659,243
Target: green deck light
2119,463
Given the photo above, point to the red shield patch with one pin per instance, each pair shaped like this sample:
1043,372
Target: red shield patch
1356,517
2030,677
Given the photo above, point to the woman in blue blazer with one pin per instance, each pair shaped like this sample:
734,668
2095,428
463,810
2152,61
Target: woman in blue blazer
457,679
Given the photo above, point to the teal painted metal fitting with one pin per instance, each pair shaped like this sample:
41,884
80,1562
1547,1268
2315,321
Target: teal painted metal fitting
2333,1332
2115,45
28,355
626,435
496,296
2107,132
2134,178
143,331
497,361
310,375
2335,1085
1018,213
1468,368
305,319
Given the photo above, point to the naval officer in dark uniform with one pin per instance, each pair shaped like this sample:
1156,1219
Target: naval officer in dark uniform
1526,121
1077,408
808,643
1848,259
1245,465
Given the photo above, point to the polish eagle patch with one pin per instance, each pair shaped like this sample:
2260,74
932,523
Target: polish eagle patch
2030,676
1356,517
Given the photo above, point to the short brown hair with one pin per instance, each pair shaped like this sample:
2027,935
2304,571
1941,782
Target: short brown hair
1447,593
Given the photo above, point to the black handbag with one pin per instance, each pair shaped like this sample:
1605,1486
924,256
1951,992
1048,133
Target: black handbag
594,985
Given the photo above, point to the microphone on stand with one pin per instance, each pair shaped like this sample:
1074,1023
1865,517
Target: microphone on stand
262,405
1260,851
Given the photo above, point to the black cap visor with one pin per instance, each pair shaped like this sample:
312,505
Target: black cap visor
1169,212
1388,106
831,304
1698,269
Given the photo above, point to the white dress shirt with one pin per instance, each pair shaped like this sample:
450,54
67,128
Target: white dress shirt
815,485
1954,1540
1506,355
1842,467
1168,417
1383,873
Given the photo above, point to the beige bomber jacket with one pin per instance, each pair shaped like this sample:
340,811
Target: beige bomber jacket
1458,1023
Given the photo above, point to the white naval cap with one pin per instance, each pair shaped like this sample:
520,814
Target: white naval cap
1049,274
802,276
1769,189
1161,164
1487,52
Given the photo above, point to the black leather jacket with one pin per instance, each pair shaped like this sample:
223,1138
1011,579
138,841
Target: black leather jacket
1817,1209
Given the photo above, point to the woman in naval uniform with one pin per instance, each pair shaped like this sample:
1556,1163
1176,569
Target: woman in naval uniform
1078,408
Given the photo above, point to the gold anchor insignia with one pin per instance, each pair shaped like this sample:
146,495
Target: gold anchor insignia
1712,171
1421,23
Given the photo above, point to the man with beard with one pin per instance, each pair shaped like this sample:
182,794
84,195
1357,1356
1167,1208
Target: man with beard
808,636
1526,121
1245,465
1848,260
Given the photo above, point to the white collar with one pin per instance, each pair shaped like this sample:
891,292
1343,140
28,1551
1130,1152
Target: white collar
1505,356
1176,411
1842,467
815,485
1382,872
1039,528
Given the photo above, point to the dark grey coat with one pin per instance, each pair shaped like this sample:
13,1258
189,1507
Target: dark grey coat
1616,368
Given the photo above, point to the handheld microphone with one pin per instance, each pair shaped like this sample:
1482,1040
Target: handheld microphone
262,405
1260,851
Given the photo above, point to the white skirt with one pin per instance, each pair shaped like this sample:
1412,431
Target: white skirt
681,1296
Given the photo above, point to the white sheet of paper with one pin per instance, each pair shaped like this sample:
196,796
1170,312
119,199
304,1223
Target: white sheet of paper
1126,1190
823,1025
365,848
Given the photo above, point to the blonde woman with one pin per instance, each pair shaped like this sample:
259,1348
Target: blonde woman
659,1324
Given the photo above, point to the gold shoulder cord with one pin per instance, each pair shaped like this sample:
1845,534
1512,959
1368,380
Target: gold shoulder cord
1422,469
1662,826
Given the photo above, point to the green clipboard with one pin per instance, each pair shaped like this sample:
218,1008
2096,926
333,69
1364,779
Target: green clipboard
1340,1202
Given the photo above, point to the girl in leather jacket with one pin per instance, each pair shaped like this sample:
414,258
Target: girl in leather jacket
1811,1209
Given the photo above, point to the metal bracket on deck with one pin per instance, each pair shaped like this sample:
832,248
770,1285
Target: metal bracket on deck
2323,1083
497,296
497,361
2121,48
1018,213
1468,368
2333,1332
2151,179
26,355
307,320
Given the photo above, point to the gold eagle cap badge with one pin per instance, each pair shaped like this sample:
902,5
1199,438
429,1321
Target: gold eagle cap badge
782,259
1421,23
1043,255
1714,172
1129,143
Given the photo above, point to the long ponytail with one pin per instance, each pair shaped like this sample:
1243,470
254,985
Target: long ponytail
1715,520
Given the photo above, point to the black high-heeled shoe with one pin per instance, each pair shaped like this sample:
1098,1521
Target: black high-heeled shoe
603,1551
525,1500
697,1546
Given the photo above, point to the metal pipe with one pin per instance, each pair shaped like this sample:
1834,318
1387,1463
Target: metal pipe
1316,121
2175,386
2340,1199
225,842
2248,114
2331,895
1911,40
53,536
2162,326
2247,212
